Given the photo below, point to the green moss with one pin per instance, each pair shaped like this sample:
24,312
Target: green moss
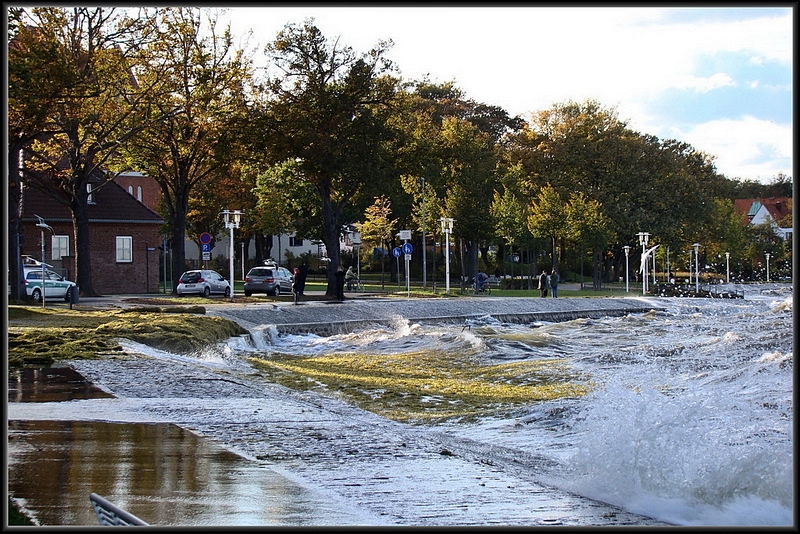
425,386
42,336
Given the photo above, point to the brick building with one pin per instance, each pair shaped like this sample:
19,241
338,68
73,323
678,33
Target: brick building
124,236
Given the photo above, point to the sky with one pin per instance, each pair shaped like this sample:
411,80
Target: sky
717,78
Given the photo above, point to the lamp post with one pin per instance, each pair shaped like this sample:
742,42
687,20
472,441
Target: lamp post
696,268
644,237
148,250
447,227
627,249
232,220
767,255
355,238
41,224
727,267
424,243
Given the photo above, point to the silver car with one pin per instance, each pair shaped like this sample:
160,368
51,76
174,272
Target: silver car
203,282
269,279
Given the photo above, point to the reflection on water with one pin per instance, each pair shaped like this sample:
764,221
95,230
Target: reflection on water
152,471
50,384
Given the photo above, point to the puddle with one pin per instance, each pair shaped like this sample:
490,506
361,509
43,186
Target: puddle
50,384
159,472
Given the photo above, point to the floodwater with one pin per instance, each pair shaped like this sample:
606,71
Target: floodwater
689,423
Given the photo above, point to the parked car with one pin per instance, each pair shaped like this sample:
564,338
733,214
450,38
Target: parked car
203,282
55,285
269,279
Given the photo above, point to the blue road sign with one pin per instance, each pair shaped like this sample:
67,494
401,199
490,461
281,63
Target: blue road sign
396,252
407,248
206,247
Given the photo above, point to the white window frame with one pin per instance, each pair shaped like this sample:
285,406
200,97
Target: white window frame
124,249
59,246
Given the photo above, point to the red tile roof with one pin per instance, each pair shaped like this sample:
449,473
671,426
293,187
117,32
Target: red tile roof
111,204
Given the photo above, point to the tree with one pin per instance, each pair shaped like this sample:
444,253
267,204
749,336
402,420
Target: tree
329,114
100,105
377,229
204,99
587,225
547,217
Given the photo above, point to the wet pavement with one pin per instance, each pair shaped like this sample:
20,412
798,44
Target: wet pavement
185,443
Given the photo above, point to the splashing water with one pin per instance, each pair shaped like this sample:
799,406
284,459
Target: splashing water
689,420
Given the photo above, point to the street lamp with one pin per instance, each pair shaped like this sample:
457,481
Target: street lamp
727,267
696,268
447,227
627,249
424,244
41,224
767,254
644,237
232,220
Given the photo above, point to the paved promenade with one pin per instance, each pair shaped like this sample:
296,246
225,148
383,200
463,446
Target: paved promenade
326,317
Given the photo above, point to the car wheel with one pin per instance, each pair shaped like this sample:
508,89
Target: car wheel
227,292
36,295
277,292
206,291
247,293
68,295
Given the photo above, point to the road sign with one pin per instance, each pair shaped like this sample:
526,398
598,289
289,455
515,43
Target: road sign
205,238
206,247
405,234
407,248
396,252
408,257
206,256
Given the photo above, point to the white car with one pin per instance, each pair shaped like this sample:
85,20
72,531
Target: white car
203,282
55,285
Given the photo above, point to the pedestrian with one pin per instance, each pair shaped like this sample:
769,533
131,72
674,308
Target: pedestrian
339,278
301,286
350,278
543,283
554,279
296,285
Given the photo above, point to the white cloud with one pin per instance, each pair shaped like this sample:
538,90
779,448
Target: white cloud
527,59
748,148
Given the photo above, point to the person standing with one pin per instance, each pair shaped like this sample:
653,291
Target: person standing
339,277
554,279
301,285
543,283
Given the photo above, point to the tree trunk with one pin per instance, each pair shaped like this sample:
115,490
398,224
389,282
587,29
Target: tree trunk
330,230
15,196
81,229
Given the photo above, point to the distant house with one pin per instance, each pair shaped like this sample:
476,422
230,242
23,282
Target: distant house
124,238
777,210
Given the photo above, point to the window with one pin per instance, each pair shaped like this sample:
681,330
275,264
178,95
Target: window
89,200
295,242
139,193
130,190
60,246
124,249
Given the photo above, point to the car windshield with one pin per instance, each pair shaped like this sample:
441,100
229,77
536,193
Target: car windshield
260,271
191,277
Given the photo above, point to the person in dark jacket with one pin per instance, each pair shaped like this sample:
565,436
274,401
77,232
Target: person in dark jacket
301,279
543,284
339,277
554,279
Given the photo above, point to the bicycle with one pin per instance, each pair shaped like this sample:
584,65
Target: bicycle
484,289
